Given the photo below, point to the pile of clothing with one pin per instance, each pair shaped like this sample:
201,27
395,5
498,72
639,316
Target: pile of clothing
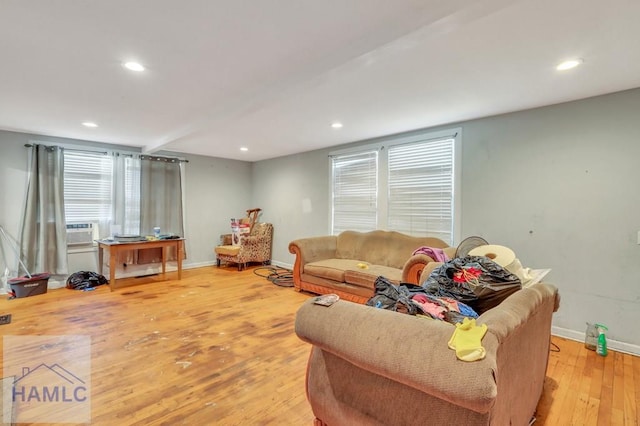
461,288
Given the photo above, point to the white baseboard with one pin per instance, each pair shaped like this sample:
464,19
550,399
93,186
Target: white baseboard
282,265
57,282
614,345
198,264
134,270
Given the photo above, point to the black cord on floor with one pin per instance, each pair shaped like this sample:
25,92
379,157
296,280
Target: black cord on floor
278,276
554,347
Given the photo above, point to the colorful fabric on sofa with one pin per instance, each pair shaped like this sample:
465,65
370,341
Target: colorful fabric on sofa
413,300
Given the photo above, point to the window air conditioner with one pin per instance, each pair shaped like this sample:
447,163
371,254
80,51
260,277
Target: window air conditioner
81,233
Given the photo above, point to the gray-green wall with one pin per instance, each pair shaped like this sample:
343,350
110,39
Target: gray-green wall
215,191
556,184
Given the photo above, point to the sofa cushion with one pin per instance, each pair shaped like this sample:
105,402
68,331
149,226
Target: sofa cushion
331,269
386,248
352,272
228,250
323,286
367,277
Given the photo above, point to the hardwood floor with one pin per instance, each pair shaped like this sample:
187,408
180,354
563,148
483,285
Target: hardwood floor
218,347
583,388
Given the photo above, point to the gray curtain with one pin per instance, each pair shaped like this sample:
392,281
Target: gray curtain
160,202
43,240
160,195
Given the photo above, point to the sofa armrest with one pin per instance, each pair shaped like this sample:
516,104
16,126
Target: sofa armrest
314,248
309,250
413,267
407,349
428,269
517,309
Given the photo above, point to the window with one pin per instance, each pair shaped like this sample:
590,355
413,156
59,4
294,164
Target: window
355,187
420,181
406,184
102,188
87,186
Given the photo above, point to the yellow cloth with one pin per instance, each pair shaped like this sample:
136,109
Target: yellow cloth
467,340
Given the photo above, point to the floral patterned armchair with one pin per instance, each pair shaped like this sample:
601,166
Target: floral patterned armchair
256,247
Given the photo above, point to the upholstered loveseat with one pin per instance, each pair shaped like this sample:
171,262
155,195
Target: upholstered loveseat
349,263
372,366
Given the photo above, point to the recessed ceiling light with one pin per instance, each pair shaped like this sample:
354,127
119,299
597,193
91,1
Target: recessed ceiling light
244,148
133,66
567,65
336,125
89,124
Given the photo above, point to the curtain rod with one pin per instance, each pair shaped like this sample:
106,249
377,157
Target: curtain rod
161,158
29,145
181,160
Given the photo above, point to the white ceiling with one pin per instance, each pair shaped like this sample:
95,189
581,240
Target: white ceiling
273,75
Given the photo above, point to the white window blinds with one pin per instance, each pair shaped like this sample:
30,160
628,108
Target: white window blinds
420,184
355,187
87,186
406,183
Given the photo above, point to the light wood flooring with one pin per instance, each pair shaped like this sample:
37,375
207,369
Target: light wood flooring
218,348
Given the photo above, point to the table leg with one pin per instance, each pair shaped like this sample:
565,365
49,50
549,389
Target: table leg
113,254
164,261
179,250
100,258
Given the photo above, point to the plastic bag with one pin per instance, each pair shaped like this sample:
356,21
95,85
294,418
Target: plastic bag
392,297
82,280
474,280
591,337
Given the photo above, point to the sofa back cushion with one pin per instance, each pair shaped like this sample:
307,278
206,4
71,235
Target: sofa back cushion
386,248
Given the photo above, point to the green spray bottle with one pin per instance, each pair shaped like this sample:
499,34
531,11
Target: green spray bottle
602,340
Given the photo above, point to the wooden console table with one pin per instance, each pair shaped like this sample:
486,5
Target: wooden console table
116,246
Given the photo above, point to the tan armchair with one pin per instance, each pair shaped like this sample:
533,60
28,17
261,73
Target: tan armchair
256,247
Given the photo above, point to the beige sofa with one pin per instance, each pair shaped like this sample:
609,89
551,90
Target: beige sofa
349,263
371,366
